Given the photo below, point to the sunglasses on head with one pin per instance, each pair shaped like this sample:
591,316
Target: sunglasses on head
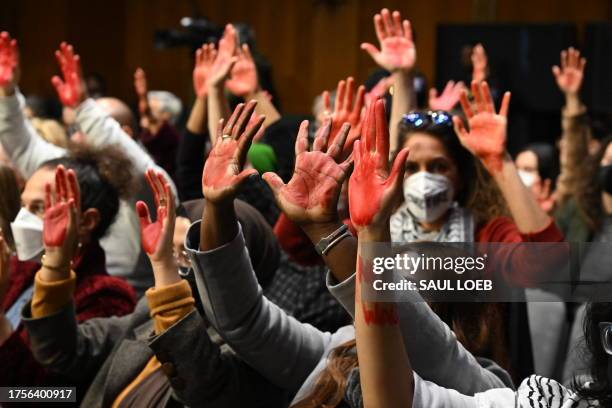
605,329
419,120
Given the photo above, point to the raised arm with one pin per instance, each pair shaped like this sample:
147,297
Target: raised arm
486,140
222,60
575,138
397,55
24,146
245,83
275,344
384,366
98,127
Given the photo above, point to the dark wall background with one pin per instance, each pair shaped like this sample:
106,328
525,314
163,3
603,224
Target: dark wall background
310,44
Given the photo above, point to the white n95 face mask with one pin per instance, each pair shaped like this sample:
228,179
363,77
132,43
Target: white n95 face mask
428,196
526,177
28,235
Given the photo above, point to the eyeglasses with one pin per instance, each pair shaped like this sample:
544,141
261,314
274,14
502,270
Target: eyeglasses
605,329
418,120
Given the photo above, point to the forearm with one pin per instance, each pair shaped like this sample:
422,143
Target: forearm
342,257
197,118
219,225
386,374
218,108
527,214
403,102
264,107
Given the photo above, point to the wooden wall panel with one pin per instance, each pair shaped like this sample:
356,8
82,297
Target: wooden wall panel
310,44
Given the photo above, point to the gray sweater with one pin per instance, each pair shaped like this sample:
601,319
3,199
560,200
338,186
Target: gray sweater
291,354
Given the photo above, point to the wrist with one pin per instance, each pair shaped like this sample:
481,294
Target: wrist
317,231
374,234
165,272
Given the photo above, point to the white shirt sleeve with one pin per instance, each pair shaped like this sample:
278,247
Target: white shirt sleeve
26,149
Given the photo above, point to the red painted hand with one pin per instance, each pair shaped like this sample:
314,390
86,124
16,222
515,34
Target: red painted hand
347,109
141,88
486,138
61,218
569,76
544,195
449,97
397,51
311,196
157,236
204,60
379,90
71,90
243,80
224,57
224,168
480,63
373,191
9,61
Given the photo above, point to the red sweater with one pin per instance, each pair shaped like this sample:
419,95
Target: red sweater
96,295
499,230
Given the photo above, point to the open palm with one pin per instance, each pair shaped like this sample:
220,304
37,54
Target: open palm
397,50
486,138
224,168
569,76
312,193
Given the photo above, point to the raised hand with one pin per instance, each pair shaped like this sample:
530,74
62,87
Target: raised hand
569,76
204,60
486,138
311,196
544,195
9,63
71,89
449,97
397,51
379,90
347,109
141,88
243,79
373,190
61,220
224,169
480,63
224,58
157,236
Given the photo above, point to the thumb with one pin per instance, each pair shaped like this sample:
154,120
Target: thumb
143,214
370,49
274,181
57,83
433,93
556,71
243,175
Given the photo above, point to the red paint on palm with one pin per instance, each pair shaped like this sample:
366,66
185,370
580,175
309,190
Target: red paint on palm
243,80
486,138
71,89
347,109
204,60
221,166
397,50
150,232
8,58
55,224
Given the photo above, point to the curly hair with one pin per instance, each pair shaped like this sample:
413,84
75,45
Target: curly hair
588,190
105,176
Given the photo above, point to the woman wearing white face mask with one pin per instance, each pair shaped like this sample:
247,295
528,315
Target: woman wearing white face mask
96,293
538,169
451,197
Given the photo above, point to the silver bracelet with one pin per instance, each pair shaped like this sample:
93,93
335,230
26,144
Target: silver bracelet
327,243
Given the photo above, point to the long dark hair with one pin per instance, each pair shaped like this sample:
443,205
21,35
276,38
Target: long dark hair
9,201
478,192
599,387
104,174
